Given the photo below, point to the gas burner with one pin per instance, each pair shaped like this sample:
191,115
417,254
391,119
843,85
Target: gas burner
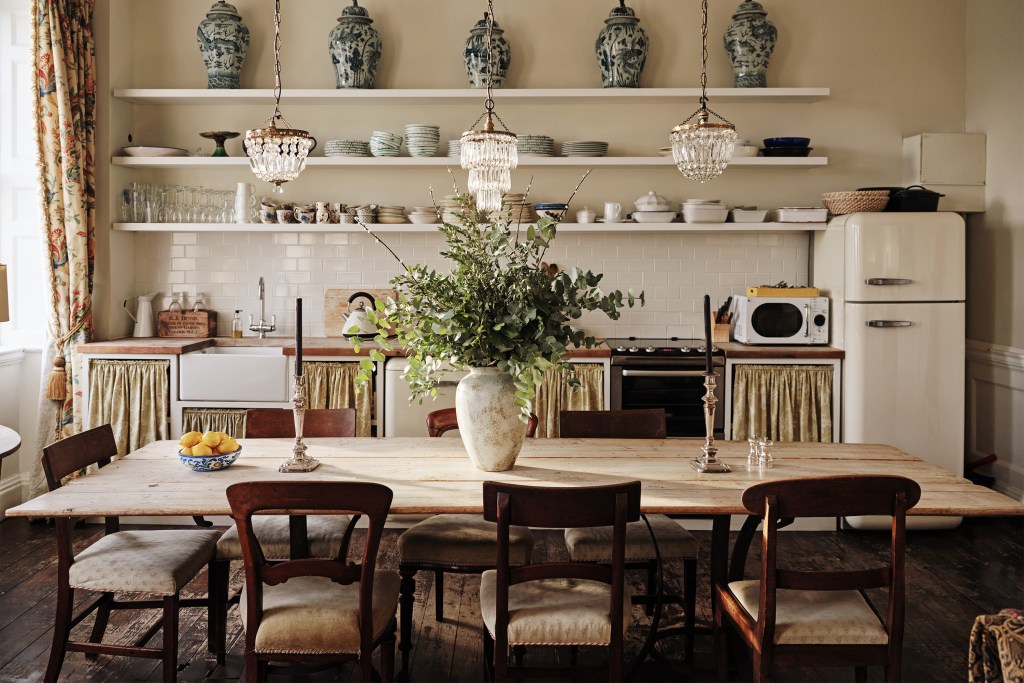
658,348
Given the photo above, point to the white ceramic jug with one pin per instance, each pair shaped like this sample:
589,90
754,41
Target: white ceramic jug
143,315
245,203
612,212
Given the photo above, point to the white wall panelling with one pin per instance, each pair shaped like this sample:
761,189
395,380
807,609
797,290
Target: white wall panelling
995,403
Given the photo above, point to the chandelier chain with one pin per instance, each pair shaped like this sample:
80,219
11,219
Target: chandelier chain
489,17
277,61
704,55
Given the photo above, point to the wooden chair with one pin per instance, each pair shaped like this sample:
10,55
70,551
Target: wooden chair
457,544
270,423
557,603
316,610
156,563
819,618
674,542
284,537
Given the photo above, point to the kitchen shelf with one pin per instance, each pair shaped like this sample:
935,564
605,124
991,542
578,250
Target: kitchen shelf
421,162
454,96
382,228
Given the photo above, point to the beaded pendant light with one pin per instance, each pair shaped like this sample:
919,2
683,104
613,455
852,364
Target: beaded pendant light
489,154
702,149
277,155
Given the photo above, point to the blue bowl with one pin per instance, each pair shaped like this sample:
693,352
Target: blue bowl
786,142
209,463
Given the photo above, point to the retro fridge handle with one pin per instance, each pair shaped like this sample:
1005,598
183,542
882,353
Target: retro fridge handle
883,281
889,323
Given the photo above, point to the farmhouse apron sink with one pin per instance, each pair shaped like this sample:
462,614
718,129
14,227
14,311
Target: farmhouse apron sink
234,373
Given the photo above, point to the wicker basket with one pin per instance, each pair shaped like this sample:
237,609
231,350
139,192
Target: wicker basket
850,202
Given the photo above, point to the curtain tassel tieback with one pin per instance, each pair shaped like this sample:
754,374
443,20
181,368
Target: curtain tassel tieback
56,388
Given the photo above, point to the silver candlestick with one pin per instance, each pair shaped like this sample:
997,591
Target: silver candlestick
709,462
299,462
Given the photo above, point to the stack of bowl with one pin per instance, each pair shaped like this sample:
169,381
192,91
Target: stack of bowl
786,147
391,214
384,144
422,139
521,212
455,148
366,213
346,148
535,145
743,148
704,211
423,214
450,208
653,208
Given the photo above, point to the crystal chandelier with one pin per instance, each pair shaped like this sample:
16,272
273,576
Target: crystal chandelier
490,154
702,150
277,155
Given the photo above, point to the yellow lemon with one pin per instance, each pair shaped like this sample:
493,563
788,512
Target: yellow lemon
186,451
223,436
190,439
228,445
201,449
211,439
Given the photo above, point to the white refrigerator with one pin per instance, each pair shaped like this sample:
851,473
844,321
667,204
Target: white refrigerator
897,285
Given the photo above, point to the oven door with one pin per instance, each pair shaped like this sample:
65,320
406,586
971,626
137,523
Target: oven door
676,387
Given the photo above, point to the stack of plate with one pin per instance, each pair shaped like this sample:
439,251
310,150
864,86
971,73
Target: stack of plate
391,214
383,144
535,145
423,214
422,139
346,148
449,208
584,148
521,212
455,148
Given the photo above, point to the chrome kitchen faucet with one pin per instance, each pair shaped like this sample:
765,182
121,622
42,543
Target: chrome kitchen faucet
262,327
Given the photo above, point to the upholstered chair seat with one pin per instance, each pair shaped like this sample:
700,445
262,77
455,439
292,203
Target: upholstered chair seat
553,611
324,533
321,615
461,541
594,544
159,562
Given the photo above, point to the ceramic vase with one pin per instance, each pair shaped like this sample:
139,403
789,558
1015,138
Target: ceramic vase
749,40
355,48
621,49
223,41
475,55
485,405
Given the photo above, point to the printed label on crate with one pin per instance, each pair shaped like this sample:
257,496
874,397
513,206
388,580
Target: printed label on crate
186,324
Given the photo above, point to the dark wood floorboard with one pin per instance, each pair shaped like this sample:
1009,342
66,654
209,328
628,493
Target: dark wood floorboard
952,576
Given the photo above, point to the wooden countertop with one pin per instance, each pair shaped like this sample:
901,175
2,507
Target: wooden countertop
736,350
311,347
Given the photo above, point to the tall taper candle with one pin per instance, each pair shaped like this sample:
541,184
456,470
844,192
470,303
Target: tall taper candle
707,334
298,336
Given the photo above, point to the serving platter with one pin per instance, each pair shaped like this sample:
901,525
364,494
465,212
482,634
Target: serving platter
143,151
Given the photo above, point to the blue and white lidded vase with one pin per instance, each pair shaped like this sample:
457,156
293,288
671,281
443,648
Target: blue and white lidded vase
749,40
476,55
223,40
355,48
621,49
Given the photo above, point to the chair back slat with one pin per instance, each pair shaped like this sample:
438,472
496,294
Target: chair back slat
273,423
69,455
445,420
878,577
839,496
583,506
332,569
647,423
568,570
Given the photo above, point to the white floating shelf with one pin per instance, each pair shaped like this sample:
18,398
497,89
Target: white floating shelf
384,229
421,162
454,96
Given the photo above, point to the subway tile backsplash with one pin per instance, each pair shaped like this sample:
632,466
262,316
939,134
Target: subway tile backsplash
674,269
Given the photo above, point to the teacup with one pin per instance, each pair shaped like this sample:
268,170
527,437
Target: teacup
305,216
285,215
346,217
268,215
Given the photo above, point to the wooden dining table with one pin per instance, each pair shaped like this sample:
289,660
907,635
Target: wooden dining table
434,475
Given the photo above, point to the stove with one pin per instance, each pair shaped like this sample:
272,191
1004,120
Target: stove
673,347
667,373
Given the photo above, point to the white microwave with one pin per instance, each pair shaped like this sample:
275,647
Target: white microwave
781,320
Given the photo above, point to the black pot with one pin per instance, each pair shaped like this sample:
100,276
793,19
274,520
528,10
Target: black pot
913,198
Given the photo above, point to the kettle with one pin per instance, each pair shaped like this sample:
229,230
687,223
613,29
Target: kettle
357,323
143,317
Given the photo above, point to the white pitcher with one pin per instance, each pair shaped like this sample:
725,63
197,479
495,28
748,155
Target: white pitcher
245,203
612,212
143,315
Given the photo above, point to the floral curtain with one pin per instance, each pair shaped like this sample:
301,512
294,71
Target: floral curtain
330,384
64,58
782,402
135,400
555,394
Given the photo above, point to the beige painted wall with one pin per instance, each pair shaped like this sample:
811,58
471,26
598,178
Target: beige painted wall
995,106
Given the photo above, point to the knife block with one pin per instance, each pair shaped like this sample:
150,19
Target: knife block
719,331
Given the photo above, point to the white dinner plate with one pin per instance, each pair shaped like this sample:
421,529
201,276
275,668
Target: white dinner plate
140,151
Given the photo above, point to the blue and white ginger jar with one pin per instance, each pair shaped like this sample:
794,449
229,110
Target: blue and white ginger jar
476,55
355,48
223,40
749,40
621,49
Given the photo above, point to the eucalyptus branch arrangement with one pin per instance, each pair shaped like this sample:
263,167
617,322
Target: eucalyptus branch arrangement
498,306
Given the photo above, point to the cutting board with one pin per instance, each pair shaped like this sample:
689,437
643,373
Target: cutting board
337,307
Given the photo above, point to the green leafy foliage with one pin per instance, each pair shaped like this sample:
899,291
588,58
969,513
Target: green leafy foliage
496,307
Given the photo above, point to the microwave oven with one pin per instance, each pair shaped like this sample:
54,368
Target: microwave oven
782,320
